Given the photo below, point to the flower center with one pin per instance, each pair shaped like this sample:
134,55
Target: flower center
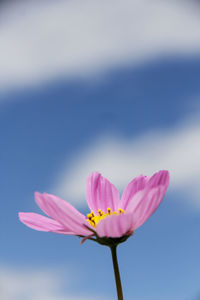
93,220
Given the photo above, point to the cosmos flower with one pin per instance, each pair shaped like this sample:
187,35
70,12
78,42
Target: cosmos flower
110,218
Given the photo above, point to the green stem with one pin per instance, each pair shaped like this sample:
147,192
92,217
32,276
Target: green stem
116,271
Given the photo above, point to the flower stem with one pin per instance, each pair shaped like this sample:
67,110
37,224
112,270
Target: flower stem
116,271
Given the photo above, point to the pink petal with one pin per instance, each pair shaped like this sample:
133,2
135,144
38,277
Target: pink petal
159,178
136,185
63,212
115,225
146,208
39,222
145,202
101,194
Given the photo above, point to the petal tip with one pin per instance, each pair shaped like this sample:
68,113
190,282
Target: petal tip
165,177
160,178
94,174
20,215
37,194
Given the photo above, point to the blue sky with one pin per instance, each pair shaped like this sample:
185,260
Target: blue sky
135,111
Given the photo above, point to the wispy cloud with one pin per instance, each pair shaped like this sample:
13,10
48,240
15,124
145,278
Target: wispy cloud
42,284
175,149
43,39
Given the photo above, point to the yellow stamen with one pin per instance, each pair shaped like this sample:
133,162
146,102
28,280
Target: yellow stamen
93,220
100,212
109,210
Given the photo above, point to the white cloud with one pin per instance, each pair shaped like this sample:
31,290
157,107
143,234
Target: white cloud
176,149
43,39
21,284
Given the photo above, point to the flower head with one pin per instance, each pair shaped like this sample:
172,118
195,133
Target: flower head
111,219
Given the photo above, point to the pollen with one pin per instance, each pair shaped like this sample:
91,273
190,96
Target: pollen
93,219
109,210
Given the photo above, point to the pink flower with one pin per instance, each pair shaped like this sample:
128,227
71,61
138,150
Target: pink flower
110,217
